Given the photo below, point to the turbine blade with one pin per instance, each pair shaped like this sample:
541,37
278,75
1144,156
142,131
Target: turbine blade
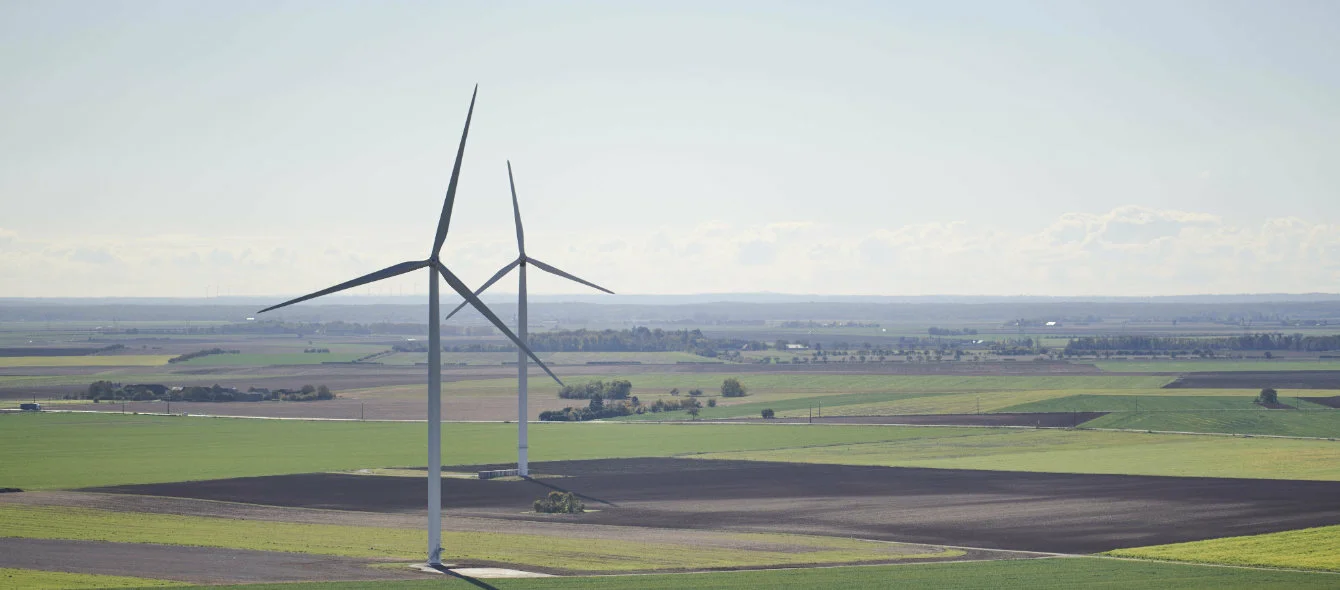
516,210
464,291
551,270
385,273
496,277
451,186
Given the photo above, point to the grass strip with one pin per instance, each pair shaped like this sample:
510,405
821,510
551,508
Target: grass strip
42,522
1033,574
44,580
1310,549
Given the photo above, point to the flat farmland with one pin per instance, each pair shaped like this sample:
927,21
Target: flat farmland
984,509
1243,401
1080,451
1313,549
124,360
1323,424
1199,366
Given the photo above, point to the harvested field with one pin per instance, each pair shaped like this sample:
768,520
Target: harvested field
989,509
1040,419
199,565
1258,380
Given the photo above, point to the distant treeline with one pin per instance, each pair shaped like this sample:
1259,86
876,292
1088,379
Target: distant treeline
639,339
199,353
616,389
1138,344
934,331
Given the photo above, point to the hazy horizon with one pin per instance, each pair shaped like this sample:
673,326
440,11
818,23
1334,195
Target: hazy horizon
158,149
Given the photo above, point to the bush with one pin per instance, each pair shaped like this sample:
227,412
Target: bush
560,503
617,389
768,413
712,403
1268,396
732,388
695,392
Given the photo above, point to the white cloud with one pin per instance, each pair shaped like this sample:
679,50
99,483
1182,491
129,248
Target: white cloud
1126,251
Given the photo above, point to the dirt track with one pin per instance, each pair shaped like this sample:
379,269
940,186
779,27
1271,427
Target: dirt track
1258,380
1040,419
1062,513
200,565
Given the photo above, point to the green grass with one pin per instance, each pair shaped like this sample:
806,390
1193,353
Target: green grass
1313,549
1154,403
1325,424
1032,574
1081,451
1171,366
44,451
551,358
127,360
44,580
542,551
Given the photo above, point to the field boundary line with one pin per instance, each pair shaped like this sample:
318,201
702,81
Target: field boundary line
689,423
1227,565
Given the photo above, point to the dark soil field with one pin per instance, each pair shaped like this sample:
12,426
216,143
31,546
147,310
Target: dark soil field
1038,419
1258,380
1064,513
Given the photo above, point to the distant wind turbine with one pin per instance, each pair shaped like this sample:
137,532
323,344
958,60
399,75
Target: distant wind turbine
522,446
435,268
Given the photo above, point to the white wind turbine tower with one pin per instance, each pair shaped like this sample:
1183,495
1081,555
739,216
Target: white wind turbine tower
435,268
522,444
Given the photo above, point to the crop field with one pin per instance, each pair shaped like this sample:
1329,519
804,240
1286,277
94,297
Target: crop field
546,552
1215,366
1312,549
1157,403
127,360
1325,424
1031,574
30,579
1080,452
81,450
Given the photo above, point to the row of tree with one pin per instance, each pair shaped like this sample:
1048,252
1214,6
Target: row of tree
199,353
109,391
1143,344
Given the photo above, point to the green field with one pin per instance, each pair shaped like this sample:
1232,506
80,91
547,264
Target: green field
1171,366
1321,423
44,580
126,360
1081,451
1031,574
540,551
295,358
551,358
1313,549
83,450
1157,403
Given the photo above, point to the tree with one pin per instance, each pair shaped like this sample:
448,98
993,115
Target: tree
712,403
597,403
693,411
695,392
674,391
323,392
731,388
768,413
1268,396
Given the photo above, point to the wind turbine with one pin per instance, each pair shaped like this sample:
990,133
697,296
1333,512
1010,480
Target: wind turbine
522,446
435,268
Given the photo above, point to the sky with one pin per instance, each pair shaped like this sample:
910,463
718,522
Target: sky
186,149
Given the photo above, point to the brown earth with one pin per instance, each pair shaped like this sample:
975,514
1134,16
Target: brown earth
1258,380
1038,419
1064,513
